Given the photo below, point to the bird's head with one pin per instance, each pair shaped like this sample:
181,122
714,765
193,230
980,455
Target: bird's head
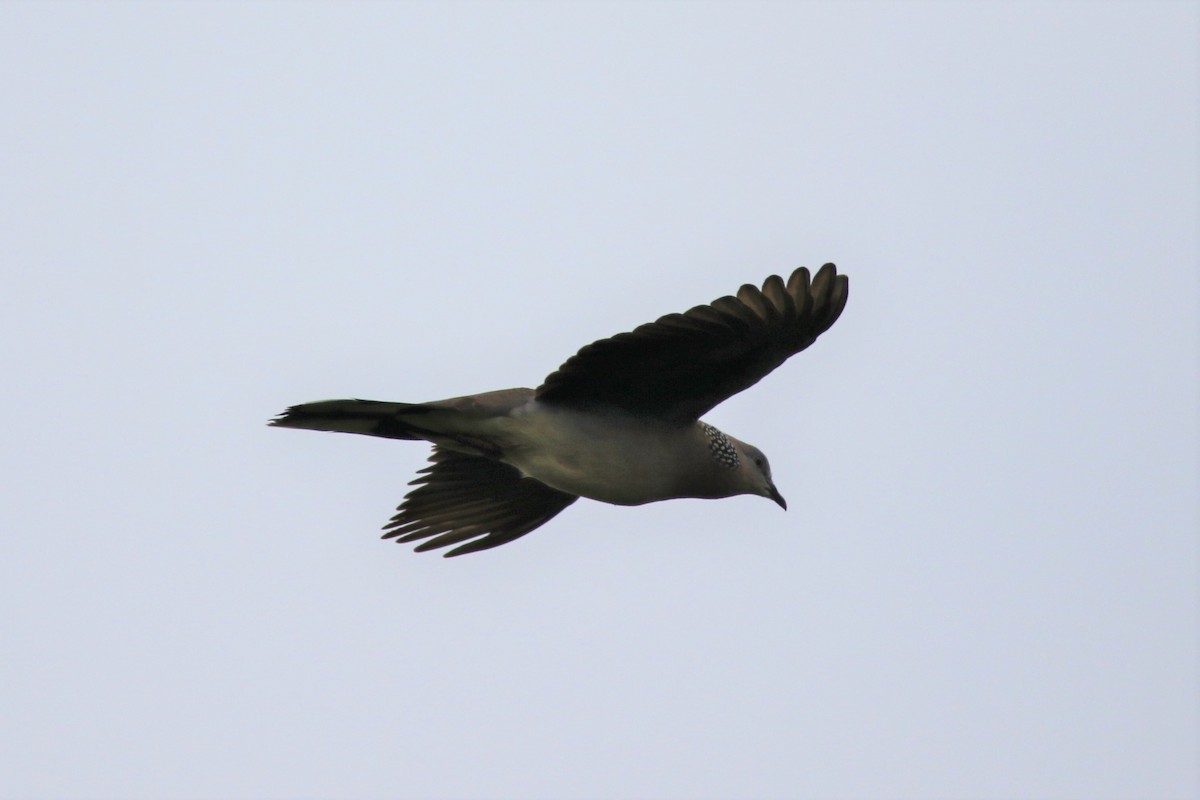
756,472
747,468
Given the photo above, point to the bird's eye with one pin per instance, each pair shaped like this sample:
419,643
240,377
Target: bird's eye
758,462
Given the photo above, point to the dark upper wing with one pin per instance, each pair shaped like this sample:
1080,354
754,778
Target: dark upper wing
461,497
682,365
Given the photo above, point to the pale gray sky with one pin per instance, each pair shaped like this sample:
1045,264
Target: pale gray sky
985,586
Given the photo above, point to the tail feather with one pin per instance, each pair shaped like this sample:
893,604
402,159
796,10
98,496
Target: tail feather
369,417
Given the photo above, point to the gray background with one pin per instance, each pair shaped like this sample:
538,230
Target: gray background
986,586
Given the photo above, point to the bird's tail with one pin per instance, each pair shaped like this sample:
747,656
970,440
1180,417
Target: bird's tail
369,417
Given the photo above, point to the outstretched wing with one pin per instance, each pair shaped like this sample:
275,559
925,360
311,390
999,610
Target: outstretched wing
461,497
680,366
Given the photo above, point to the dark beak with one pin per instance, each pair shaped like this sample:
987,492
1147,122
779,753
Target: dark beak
778,498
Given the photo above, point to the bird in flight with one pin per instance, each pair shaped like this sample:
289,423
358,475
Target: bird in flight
618,422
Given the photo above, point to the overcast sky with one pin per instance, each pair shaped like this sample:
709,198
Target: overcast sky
986,582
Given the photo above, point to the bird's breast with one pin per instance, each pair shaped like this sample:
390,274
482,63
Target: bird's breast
606,456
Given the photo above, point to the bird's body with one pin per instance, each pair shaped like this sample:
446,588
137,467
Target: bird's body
569,450
618,422
547,447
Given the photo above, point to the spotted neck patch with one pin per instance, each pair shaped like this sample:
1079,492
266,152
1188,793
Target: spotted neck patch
719,445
